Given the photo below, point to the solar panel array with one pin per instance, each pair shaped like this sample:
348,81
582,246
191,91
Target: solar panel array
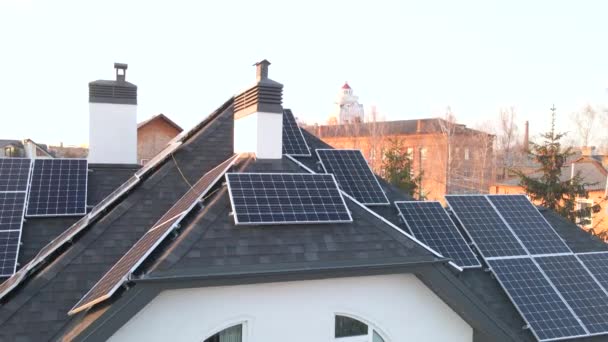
14,174
353,174
430,223
58,188
597,264
536,299
485,227
281,198
122,270
586,298
294,143
557,295
529,225
14,181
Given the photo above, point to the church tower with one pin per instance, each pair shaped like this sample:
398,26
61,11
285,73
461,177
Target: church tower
347,107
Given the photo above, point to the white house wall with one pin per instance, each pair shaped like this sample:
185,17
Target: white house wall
399,306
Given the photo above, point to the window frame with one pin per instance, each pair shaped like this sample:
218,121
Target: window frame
245,329
371,328
588,201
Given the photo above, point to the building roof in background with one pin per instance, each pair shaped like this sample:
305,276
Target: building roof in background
160,117
7,142
589,168
418,126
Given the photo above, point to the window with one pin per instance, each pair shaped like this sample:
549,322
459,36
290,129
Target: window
232,334
466,153
352,330
410,153
423,153
583,206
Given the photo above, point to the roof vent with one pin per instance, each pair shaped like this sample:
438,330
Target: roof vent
121,71
265,96
262,70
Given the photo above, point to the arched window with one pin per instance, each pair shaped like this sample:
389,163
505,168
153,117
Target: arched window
232,334
349,329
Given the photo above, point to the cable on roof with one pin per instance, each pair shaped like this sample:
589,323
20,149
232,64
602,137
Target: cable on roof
180,171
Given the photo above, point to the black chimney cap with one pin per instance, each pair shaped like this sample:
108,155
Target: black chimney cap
121,66
264,62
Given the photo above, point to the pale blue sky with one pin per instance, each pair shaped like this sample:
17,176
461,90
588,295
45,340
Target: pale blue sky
411,59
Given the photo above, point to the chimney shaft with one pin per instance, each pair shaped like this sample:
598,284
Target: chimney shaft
418,126
587,151
113,120
258,117
526,136
262,70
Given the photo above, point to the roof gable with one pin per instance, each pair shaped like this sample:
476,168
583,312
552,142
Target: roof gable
160,117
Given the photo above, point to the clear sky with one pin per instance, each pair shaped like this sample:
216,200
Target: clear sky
411,59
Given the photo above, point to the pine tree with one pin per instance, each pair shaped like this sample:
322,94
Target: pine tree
397,166
549,190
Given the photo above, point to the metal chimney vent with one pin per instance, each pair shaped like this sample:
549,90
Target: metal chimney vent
119,91
265,96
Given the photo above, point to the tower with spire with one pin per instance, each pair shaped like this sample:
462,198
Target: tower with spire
347,107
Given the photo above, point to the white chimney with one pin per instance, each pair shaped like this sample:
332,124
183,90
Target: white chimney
113,120
258,117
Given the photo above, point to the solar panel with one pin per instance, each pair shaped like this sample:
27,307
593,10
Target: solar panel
12,205
14,174
353,174
122,270
281,198
584,295
530,226
429,222
9,249
597,264
58,188
293,140
487,230
537,301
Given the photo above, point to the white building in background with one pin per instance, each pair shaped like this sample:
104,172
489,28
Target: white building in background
347,107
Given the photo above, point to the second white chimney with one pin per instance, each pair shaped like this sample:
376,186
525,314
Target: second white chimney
113,120
258,117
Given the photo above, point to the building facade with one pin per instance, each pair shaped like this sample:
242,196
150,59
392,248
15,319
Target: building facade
452,158
153,135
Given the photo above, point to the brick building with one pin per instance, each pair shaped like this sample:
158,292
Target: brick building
153,135
454,159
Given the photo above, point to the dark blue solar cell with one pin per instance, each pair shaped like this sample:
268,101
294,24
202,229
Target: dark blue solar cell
353,175
597,263
528,224
293,139
59,187
279,198
485,227
429,223
579,289
538,302
12,205
14,174
9,248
